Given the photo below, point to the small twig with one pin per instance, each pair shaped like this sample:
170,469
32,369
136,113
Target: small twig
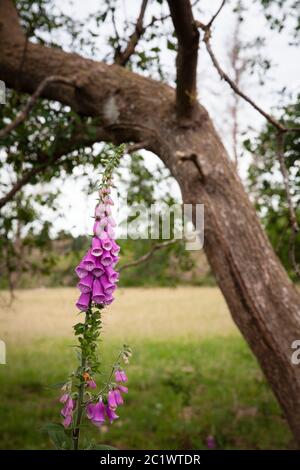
155,20
122,57
236,89
113,18
149,254
22,115
209,24
223,75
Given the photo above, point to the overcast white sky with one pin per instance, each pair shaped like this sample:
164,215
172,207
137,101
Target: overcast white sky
215,95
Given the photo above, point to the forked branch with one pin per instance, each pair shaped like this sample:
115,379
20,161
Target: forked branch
122,57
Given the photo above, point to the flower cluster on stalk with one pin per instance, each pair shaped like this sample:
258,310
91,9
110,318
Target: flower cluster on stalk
97,283
97,277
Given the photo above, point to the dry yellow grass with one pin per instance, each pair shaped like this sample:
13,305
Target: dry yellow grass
154,313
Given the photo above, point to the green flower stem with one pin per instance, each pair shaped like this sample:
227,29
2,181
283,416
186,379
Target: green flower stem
111,373
80,404
76,431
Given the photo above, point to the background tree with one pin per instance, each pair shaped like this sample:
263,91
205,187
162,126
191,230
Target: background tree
267,188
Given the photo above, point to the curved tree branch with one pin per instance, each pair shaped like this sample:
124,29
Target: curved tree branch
209,24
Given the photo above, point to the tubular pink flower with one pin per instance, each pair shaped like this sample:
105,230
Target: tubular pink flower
81,271
111,400
103,222
96,247
106,259
122,388
115,260
68,408
67,421
91,383
111,221
98,293
211,442
108,286
64,398
110,413
97,229
108,299
96,413
105,241
102,210
108,200
90,410
115,248
124,376
111,274
110,232
85,285
118,376
67,411
98,269
88,261
118,397
104,191
83,302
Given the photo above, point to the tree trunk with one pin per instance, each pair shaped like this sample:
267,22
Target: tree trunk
263,302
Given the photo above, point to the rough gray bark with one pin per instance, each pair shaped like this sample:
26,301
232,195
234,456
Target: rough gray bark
262,300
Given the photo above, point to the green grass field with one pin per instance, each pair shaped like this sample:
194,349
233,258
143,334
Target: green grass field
191,375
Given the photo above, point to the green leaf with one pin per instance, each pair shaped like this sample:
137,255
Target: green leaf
171,45
58,436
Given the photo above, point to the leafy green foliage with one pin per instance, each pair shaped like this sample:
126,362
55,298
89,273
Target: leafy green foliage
193,388
88,334
282,14
48,133
266,183
58,436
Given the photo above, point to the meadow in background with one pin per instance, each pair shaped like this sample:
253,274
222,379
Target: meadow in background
193,381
